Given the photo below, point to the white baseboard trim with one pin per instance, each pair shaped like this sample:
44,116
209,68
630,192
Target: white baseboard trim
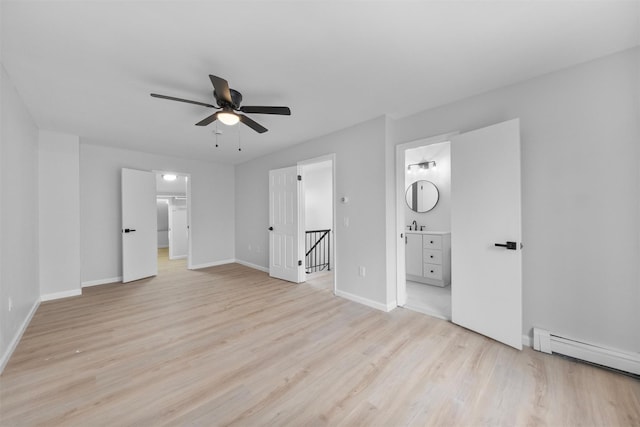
527,341
16,339
251,265
365,301
63,294
211,264
178,257
600,355
163,246
101,281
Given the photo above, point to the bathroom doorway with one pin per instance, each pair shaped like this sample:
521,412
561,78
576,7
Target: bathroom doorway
426,211
485,238
173,221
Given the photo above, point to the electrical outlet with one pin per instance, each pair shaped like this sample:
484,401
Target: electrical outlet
346,221
362,271
10,304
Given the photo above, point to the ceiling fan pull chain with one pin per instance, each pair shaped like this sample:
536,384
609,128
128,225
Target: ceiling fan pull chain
239,149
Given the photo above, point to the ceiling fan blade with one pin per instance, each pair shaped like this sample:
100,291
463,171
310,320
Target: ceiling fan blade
171,98
252,124
255,109
222,88
212,118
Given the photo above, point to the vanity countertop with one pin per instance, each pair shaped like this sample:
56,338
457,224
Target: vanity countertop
428,232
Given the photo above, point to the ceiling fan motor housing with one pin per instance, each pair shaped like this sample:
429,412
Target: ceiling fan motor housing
236,99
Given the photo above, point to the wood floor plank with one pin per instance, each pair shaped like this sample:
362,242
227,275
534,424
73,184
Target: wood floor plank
229,345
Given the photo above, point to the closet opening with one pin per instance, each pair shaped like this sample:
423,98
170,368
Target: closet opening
173,221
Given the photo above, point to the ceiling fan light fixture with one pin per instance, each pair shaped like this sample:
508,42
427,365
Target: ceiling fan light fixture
169,177
228,118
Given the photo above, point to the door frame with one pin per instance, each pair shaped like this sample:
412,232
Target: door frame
401,274
327,157
189,238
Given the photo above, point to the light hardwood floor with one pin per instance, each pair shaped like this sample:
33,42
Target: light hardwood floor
230,346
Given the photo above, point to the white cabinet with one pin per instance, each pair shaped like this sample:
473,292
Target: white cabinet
413,251
428,257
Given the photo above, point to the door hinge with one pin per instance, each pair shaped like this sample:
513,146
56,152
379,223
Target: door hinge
299,177
299,262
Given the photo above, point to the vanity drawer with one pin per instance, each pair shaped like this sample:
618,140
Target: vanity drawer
429,241
433,271
432,256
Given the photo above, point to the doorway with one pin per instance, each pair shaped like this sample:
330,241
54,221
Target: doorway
427,213
302,238
173,221
318,222
484,240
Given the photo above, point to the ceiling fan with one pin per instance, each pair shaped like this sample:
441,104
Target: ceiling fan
229,101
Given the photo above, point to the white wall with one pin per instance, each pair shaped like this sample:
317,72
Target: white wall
438,218
581,192
212,214
59,217
19,279
318,200
363,242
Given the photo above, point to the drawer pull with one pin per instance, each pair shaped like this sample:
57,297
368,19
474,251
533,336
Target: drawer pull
432,271
508,245
431,256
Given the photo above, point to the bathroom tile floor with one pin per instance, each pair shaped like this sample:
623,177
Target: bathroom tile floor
432,300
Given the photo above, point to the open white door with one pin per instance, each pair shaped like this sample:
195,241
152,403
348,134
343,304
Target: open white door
486,287
285,258
178,232
139,225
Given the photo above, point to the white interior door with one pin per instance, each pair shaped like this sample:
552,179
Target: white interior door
486,288
178,232
139,225
285,258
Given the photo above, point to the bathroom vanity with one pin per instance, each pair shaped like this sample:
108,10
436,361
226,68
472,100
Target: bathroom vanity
428,257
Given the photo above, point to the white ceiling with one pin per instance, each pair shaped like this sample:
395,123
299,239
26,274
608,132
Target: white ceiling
87,68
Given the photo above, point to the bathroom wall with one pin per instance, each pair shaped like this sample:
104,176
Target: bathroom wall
439,218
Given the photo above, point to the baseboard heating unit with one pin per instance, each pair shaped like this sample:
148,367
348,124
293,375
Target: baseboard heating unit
547,342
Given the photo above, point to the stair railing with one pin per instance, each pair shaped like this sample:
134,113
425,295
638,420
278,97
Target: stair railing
317,250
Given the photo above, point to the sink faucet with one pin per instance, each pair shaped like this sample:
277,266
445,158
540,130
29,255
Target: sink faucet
415,225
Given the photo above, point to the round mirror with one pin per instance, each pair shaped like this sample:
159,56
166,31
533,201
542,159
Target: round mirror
422,196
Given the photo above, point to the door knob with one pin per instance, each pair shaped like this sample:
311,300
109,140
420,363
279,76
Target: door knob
129,230
508,245
270,228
